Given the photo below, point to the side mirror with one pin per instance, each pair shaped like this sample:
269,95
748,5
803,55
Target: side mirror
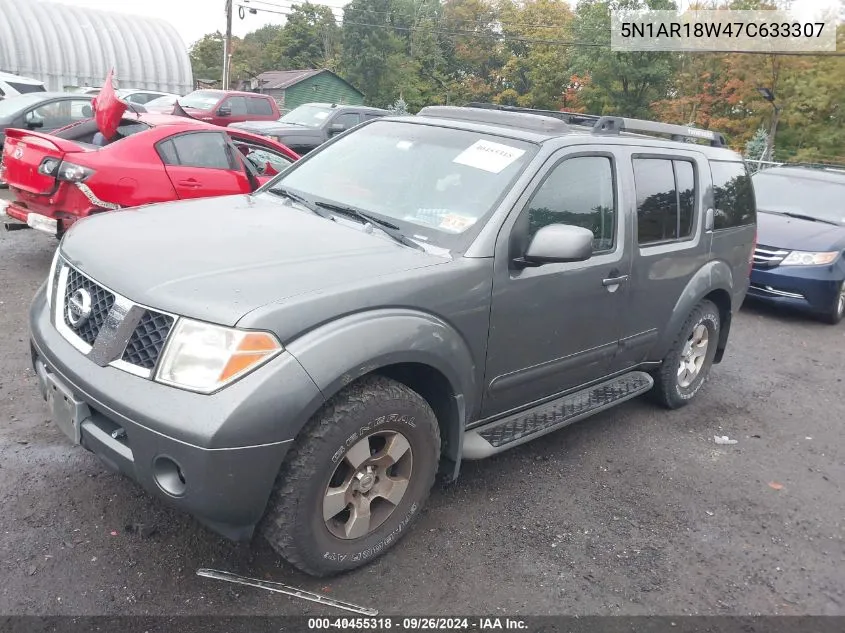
224,111
34,124
337,128
558,243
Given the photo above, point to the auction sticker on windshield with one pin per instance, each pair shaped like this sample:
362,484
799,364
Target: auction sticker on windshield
456,223
489,156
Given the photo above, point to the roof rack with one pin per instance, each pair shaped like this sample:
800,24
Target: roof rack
524,120
616,125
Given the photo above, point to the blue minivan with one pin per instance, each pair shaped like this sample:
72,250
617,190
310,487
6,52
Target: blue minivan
800,239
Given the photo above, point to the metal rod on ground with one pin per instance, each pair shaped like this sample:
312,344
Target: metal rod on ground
278,587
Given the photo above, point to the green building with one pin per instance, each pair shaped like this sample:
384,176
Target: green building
292,88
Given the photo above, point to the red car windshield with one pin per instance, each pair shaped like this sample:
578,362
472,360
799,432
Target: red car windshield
200,100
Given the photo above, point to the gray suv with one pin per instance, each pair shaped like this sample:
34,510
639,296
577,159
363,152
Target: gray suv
422,290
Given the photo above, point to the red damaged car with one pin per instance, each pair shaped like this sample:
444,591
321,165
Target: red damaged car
61,177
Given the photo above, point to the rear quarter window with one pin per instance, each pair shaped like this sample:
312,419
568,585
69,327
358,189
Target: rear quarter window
259,105
733,195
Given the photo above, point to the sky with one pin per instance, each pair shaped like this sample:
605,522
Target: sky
195,18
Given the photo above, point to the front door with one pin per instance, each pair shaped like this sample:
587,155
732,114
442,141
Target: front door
202,164
556,326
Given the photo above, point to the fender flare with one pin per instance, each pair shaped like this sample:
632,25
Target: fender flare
342,351
715,275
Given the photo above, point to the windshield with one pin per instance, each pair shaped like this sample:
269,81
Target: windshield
307,115
15,104
820,199
434,183
200,100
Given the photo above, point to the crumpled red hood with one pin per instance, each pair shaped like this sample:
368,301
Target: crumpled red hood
108,108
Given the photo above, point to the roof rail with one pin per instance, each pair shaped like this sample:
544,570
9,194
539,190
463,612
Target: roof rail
522,120
616,125
573,118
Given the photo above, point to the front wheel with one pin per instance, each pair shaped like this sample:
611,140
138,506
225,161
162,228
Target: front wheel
687,365
837,313
356,479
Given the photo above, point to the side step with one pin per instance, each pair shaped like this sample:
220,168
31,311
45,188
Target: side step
500,435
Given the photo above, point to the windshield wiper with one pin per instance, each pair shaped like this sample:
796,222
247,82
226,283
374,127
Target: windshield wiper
386,227
801,216
290,195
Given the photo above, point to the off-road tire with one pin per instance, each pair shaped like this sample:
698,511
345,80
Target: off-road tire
667,391
837,312
293,523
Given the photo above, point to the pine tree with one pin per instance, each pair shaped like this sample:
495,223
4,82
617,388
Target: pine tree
756,147
399,107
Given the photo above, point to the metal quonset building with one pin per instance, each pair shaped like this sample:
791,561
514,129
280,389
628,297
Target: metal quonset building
66,47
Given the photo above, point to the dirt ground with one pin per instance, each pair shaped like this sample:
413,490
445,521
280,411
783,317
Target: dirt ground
636,511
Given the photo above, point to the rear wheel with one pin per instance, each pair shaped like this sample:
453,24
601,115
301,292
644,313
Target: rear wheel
356,479
687,365
837,313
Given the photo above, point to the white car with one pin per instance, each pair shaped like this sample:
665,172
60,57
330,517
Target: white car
14,85
141,97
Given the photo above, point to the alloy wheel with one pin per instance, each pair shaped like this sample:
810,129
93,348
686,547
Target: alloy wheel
693,355
368,484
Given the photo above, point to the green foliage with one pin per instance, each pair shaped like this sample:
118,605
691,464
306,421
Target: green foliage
545,54
756,147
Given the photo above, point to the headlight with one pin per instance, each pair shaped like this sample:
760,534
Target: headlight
805,258
51,277
203,357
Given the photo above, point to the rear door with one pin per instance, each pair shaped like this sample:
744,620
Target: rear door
201,164
56,114
260,109
670,244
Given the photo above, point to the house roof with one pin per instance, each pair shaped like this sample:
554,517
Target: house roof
276,79
281,79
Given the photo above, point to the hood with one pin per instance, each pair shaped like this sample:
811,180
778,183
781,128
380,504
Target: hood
795,234
275,127
217,259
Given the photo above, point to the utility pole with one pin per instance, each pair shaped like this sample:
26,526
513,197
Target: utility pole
227,45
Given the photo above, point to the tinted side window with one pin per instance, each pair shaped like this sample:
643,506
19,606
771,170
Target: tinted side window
237,105
579,192
665,199
348,119
369,117
257,105
733,195
200,149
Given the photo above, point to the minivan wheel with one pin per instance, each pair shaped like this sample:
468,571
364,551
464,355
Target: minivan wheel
356,478
838,311
687,365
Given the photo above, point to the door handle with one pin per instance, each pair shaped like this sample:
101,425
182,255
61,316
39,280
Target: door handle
614,281
190,183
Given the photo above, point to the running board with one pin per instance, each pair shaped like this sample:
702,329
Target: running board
500,435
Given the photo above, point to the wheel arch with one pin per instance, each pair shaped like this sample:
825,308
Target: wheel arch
414,348
712,282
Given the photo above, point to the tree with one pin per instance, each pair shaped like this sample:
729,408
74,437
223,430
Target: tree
207,57
625,83
399,107
756,147
310,39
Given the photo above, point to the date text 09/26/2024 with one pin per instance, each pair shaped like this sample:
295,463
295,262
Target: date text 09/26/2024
418,624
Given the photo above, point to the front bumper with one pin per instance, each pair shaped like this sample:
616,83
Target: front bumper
809,288
214,456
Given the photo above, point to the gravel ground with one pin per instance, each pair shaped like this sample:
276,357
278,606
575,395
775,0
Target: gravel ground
636,511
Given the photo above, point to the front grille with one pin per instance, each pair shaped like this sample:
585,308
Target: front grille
768,256
145,344
101,335
101,303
